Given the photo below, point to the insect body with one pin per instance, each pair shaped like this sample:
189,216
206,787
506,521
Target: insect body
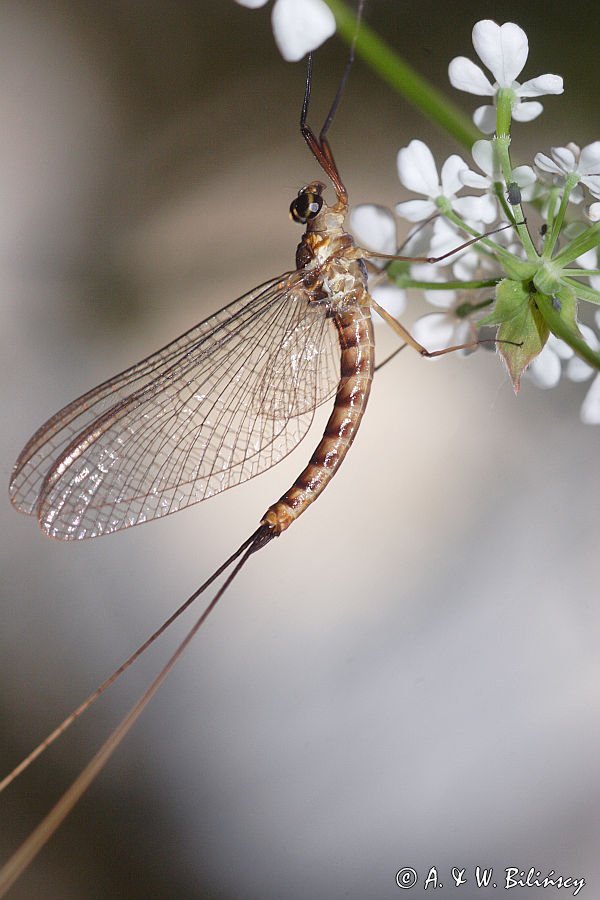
217,406
220,404
337,278
226,400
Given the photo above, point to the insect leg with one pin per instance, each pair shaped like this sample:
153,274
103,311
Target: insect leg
373,254
410,341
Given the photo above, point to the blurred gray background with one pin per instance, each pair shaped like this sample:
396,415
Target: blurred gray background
410,676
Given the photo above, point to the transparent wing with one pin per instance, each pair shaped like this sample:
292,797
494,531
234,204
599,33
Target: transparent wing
222,403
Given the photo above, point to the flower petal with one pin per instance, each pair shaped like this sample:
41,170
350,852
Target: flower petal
450,175
467,265
590,336
578,370
444,239
464,75
546,164
415,210
476,209
417,170
483,154
418,241
543,84
434,331
588,259
589,161
464,332
524,176
576,195
440,299
527,112
300,26
594,212
590,409
593,184
374,227
502,48
251,4
562,350
545,370
565,158
485,119
392,298
475,180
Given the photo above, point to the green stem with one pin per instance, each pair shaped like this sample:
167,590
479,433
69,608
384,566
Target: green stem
570,335
582,291
557,224
499,188
482,239
502,153
403,78
581,273
450,285
585,241
553,200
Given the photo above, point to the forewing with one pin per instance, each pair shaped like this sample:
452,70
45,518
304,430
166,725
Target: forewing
224,402
49,442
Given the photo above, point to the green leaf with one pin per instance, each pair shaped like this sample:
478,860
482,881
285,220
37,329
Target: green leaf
510,297
523,330
560,315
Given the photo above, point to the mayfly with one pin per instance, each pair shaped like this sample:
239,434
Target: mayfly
222,403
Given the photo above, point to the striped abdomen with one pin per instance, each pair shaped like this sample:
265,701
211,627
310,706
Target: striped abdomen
355,331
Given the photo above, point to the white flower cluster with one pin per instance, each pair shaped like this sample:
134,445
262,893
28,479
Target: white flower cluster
299,26
446,214
520,277
503,49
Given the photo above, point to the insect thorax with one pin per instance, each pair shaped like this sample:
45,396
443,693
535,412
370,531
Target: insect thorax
333,273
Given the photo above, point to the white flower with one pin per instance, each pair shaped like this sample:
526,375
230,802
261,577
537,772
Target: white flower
591,260
590,408
299,26
504,50
440,330
417,171
483,155
578,370
374,228
570,160
392,298
445,328
441,299
473,265
594,212
546,368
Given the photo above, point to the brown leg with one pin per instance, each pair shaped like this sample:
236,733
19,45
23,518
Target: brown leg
409,339
372,254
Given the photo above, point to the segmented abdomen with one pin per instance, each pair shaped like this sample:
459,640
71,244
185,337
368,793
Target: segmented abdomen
355,330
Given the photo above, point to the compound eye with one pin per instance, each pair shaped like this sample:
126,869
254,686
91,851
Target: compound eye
306,206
